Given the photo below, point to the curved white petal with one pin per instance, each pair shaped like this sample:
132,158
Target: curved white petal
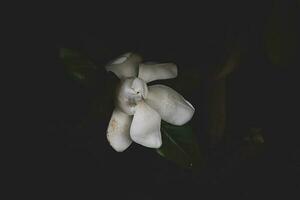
129,93
145,127
125,65
171,106
118,130
152,72
140,87
125,99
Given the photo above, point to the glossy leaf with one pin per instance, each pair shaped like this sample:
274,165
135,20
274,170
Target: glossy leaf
179,145
79,66
100,84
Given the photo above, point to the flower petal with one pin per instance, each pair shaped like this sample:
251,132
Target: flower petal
152,72
129,92
118,130
125,66
140,87
145,127
125,99
171,106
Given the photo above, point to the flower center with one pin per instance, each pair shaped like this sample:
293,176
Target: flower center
131,91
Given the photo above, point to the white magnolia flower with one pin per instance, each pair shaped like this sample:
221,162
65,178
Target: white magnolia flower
140,108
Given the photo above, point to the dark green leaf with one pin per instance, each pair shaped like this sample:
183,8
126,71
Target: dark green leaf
79,66
101,85
180,146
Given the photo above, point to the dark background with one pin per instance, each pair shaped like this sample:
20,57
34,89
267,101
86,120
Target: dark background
68,159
